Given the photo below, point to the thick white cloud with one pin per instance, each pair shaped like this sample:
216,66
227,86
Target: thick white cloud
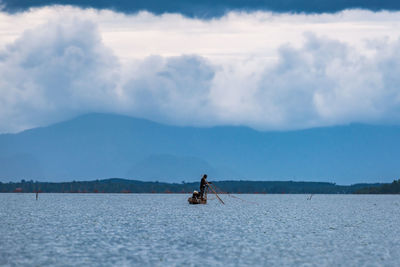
325,82
175,89
55,70
69,66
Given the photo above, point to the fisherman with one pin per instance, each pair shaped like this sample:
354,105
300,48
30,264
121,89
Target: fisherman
203,184
195,194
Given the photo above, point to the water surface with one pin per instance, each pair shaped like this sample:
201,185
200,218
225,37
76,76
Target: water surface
164,230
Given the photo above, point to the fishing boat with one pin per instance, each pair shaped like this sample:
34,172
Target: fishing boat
195,198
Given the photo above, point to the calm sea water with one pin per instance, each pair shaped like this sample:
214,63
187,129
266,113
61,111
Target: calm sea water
164,230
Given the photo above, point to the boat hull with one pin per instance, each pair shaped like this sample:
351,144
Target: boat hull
196,201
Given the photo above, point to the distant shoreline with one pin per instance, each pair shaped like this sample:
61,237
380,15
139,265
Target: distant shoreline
116,185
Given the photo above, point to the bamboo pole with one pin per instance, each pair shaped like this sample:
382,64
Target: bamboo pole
232,196
215,193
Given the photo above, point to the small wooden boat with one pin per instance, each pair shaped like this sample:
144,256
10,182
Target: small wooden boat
195,198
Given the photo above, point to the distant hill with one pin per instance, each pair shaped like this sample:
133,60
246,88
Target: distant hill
116,185
97,146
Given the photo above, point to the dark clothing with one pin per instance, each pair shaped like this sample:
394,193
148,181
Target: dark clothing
203,184
202,192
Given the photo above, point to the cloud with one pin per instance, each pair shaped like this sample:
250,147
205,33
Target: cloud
211,9
63,68
324,82
57,68
175,89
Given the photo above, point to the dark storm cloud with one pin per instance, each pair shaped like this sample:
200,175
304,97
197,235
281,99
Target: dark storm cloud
210,8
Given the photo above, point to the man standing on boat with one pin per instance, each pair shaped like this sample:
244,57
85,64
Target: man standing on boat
203,184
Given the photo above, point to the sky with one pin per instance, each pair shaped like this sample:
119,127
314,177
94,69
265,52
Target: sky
269,65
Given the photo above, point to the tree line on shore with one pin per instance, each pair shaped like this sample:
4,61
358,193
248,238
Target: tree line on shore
393,188
116,185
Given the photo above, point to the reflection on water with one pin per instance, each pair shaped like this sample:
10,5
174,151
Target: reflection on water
159,230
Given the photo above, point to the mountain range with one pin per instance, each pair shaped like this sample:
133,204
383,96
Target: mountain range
97,146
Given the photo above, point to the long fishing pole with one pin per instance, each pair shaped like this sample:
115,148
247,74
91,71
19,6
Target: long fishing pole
232,196
215,193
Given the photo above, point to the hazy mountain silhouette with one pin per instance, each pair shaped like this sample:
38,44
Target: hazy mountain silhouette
98,146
